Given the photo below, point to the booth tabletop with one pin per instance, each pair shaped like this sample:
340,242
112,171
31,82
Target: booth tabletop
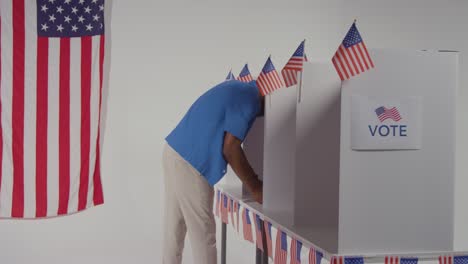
306,235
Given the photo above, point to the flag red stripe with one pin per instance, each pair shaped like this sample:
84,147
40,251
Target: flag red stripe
64,126
41,125
98,196
85,120
357,58
367,53
345,71
18,108
343,54
337,68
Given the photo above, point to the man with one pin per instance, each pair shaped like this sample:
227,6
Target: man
195,158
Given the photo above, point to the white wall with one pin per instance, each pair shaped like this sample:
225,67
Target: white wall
164,55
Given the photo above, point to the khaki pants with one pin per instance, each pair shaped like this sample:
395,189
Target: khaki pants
188,208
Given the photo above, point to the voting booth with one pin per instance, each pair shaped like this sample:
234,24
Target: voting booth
366,165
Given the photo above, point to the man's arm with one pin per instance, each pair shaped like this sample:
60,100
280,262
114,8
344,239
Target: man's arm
235,156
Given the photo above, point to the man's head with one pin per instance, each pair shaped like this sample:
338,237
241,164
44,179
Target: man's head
261,98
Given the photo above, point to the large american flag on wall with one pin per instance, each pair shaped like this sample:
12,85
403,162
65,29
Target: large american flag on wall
52,54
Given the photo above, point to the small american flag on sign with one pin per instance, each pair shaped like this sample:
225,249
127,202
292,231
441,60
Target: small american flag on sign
269,79
245,75
296,247
258,232
352,57
398,260
384,113
281,252
315,257
267,226
247,225
294,66
230,76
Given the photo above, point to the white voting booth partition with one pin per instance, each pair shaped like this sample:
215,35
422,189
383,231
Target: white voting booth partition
364,166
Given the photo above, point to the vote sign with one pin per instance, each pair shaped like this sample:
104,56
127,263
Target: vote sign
386,123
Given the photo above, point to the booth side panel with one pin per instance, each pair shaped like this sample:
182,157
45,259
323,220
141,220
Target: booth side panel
401,200
279,153
253,148
318,153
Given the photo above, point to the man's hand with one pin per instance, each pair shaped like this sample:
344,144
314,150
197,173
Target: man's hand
257,193
235,156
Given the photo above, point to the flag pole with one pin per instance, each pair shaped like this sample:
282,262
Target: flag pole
300,78
269,95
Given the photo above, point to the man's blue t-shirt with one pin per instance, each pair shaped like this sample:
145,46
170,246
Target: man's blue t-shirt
231,106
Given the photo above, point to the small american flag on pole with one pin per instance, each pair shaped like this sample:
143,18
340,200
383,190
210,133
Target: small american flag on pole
281,252
294,66
258,232
51,72
267,226
230,76
245,75
296,247
247,225
384,113
269,79
352,57
398,260
315,257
